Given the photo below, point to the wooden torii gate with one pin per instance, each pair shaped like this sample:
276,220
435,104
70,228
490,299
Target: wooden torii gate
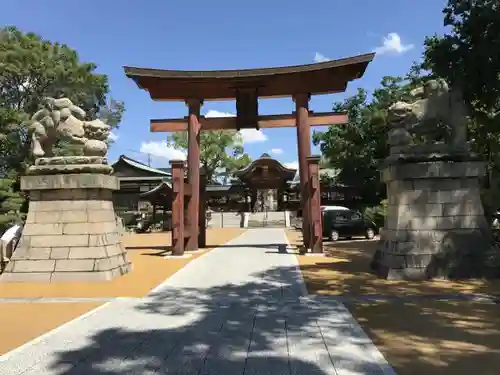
246,86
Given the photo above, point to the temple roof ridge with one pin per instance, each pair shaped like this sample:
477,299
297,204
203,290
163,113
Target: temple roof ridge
137,164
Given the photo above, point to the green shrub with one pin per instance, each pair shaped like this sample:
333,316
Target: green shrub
11,203
377,214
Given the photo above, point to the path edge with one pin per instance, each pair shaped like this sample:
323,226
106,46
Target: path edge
164,285
43,336
301,280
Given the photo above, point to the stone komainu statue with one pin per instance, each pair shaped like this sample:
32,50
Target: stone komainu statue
61,119
435,104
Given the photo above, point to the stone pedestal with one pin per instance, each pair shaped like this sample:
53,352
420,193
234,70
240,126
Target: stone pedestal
435,226
71,232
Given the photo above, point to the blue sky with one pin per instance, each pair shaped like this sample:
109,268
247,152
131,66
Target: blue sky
223,34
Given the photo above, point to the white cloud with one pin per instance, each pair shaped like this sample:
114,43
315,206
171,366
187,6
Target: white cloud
214,113
292,165
276,151
248,135
318,57
113,137
252,136
162,149
392,45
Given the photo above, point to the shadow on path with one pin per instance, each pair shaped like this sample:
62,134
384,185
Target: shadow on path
255,328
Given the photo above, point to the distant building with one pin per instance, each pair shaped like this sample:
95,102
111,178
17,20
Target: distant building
146,188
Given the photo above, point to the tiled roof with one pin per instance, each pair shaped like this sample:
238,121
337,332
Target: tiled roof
144,167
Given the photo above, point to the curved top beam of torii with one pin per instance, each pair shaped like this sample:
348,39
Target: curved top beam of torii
320,78
246,86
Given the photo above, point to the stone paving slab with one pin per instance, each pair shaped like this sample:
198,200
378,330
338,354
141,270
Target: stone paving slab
237,310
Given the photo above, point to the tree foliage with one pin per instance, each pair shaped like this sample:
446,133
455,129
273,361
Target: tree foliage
221,152
376,213
357,147
11,202
32,68
467,56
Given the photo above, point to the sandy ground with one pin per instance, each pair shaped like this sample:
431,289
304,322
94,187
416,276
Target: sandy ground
346,271
423,336
150,268
434,337
22,322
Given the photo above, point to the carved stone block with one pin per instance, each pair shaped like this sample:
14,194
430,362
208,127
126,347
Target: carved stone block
71,233
435,224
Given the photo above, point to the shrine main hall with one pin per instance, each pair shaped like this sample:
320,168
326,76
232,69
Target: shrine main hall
246,87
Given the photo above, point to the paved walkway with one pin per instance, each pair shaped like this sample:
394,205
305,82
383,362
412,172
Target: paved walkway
240,309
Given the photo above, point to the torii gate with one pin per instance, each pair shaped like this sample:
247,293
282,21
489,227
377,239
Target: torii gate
246,86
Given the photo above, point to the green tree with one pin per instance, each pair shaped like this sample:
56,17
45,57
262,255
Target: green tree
467,57
10,203
221,152
357,147
32,68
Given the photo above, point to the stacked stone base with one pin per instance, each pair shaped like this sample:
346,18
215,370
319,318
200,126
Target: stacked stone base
71,232
435,225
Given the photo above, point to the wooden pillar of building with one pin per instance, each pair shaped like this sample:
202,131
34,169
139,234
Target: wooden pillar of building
253,200
202,222
304,151
316,225
155,203
193,175
279,198
177,207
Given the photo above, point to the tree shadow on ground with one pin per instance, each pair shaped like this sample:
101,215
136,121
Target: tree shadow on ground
434,337
416,332
160,251
210,331
345,270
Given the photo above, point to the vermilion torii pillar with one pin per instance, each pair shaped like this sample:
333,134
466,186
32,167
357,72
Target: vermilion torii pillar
304,151
202,221
316,228
193,175
177,207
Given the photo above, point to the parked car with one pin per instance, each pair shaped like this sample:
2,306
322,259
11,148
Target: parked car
347,224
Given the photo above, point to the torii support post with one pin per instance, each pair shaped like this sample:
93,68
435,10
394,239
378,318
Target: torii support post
177,207
193,174
202,237
304,151
316,227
